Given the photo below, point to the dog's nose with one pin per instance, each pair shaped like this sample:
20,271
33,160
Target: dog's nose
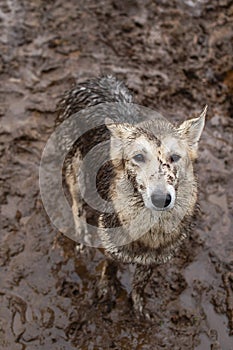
161,200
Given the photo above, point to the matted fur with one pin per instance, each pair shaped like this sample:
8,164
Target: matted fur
147,235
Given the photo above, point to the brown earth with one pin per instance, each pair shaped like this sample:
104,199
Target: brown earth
177,56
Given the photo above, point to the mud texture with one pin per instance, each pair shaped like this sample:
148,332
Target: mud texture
176,56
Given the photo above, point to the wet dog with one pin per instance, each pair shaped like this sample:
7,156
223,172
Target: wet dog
149,180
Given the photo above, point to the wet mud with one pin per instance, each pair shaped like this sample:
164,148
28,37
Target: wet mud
176,56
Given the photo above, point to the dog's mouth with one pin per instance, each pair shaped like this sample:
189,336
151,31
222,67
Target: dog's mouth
169,207
155,208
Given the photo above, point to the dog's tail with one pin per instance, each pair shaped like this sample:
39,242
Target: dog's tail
90,93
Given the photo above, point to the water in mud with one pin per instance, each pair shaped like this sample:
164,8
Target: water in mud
176,56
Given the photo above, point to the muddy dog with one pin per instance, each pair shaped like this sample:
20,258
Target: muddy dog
149,181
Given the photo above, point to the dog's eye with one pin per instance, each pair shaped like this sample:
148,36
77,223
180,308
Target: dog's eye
175,157
139,158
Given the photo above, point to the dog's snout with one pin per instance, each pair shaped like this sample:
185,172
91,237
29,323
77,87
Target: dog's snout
161,200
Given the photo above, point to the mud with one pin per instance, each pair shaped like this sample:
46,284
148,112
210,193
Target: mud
176,56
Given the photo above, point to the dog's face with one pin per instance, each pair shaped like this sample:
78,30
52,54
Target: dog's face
157,157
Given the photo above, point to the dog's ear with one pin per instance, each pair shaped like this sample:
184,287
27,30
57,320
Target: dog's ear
192,129
119,131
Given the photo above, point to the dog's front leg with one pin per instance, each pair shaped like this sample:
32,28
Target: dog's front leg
141,277
108,285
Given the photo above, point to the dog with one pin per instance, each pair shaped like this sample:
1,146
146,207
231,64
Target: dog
148,179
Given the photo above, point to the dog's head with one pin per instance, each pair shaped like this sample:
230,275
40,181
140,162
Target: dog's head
157,157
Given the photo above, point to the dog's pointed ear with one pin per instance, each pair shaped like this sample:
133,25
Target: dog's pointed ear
192,129
119,131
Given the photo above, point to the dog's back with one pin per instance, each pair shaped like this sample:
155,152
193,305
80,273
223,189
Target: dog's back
106,90
91,93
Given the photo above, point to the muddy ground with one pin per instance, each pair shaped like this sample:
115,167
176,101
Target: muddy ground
176,56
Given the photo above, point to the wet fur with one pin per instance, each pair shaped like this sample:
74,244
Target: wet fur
160,242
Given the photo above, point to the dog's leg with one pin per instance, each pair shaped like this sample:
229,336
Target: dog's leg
108,286
141,277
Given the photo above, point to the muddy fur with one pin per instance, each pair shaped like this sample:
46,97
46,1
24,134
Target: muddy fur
148,232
